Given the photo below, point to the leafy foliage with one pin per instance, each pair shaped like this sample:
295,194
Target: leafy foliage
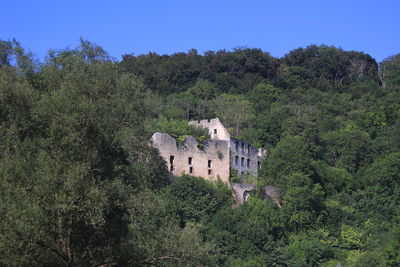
80,186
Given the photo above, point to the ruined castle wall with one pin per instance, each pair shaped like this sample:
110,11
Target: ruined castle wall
216,129
245,158
242,192
211,163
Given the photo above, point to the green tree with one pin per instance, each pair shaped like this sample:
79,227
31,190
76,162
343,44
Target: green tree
155,238
392,250
194,199
263,96
289,156
348,148
389,71
302,202
249,234
308,250
85,154
269,125
234,111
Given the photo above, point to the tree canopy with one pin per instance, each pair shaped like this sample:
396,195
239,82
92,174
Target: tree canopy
80,185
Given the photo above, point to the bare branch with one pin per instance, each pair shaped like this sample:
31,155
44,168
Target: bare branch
64,258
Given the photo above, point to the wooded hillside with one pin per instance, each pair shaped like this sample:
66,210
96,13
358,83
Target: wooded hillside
79,185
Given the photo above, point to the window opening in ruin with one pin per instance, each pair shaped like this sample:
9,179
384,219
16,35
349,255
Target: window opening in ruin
209,163
209,172
242,174
242,162
258,165
237,145
198,121
208,120
215,131
190,160
190,169
236,160
248,149
171,161
248,163
243,147
246,195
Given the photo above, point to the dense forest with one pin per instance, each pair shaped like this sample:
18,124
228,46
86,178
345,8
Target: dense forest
80,185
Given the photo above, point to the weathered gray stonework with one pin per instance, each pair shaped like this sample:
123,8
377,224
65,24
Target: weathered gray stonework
211,162
242,192
245,158
214,161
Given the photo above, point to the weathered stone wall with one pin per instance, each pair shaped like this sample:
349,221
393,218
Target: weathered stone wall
242,192
216,129
245,158
219,154
211,163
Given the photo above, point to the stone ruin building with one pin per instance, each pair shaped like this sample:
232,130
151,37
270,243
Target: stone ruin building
210,162
214,160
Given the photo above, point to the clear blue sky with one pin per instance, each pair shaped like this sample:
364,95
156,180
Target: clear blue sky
169,26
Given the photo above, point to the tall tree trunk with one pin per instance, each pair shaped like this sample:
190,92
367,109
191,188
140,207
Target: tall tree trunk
64,228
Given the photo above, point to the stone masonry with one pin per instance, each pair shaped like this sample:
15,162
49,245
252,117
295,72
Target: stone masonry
210,162
244,157
214,161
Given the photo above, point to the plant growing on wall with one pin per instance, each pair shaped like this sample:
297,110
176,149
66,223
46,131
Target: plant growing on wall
250,178
179,129
233,175
201,140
